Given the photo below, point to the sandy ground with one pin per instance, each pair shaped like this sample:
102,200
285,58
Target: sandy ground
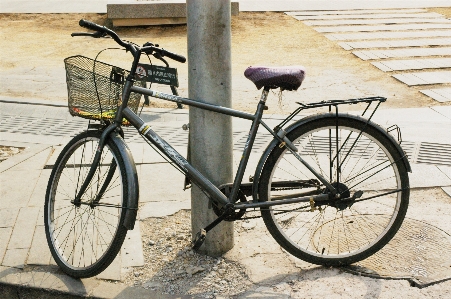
34,46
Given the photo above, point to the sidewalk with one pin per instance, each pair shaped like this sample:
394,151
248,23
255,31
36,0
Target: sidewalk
26,260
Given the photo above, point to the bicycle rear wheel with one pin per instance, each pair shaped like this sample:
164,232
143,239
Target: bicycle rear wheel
357,158
85,238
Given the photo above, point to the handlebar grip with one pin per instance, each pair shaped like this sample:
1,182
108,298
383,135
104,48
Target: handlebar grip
91,25
173,56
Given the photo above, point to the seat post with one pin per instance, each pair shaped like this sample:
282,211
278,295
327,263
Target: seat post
264,95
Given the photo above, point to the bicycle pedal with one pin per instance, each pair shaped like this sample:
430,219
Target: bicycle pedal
199,239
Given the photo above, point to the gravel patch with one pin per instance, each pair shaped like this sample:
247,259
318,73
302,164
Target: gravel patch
171,267
9,151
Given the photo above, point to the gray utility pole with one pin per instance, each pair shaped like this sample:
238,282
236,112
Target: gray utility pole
209,80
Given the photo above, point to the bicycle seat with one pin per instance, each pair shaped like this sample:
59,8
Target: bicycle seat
285,77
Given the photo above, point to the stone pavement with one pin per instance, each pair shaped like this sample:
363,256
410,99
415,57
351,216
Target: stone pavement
382,34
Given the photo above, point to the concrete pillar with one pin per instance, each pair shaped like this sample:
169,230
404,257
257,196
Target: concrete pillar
209,80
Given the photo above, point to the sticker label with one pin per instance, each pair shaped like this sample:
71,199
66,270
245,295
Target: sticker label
157,74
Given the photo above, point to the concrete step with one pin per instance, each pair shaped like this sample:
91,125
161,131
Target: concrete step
151,13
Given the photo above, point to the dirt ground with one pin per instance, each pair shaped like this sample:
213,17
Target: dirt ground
35,45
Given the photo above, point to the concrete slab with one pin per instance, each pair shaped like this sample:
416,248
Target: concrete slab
15,258
8,217
441,95
162,209
389,35
443,110
424,176
405,52
132,251
424,78
5,234
24,227
397,43
375,21
413,64
348,12
39,253
381,28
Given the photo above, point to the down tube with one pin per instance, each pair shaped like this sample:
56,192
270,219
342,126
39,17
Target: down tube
195,176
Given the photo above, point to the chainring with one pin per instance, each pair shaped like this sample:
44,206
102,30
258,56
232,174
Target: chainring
235,215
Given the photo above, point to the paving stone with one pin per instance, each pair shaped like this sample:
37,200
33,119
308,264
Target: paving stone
63,283
447,190
24,227
375,21
113,272
382,28
163,174
397,43
17,187
389,34
132,252
446,170
8,274
368,15
5,234
39,253
121,291
15,258
8,217
423,78
413,64
37,197
29,152
161,209
397,53
439,94
348,12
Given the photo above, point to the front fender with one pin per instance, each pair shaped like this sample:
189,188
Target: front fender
132,186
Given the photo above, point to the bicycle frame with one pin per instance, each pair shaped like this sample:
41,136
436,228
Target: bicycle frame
194,175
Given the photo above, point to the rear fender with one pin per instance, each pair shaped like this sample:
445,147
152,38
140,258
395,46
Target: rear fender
308,119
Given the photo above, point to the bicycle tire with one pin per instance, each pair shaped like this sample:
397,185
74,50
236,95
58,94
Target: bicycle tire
85,239
336,234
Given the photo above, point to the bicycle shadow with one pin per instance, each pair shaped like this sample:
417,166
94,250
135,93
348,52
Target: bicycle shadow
48,278
314,282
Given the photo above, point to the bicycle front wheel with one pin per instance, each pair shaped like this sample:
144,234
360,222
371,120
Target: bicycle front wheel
363,163
85,237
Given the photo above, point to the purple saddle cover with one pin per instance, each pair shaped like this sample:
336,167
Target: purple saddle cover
285,77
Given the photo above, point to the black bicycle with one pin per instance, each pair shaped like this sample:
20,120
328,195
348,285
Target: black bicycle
332,188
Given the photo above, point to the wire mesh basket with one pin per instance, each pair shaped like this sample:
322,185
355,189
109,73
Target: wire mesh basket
95,88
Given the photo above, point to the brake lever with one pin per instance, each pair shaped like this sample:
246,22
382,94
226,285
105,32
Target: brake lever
97,34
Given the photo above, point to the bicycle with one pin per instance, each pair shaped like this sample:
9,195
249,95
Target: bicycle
332,188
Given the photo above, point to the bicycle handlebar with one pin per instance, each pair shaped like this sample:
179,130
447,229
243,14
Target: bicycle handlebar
102,30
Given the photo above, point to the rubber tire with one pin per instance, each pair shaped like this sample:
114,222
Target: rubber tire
116,242
319,122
